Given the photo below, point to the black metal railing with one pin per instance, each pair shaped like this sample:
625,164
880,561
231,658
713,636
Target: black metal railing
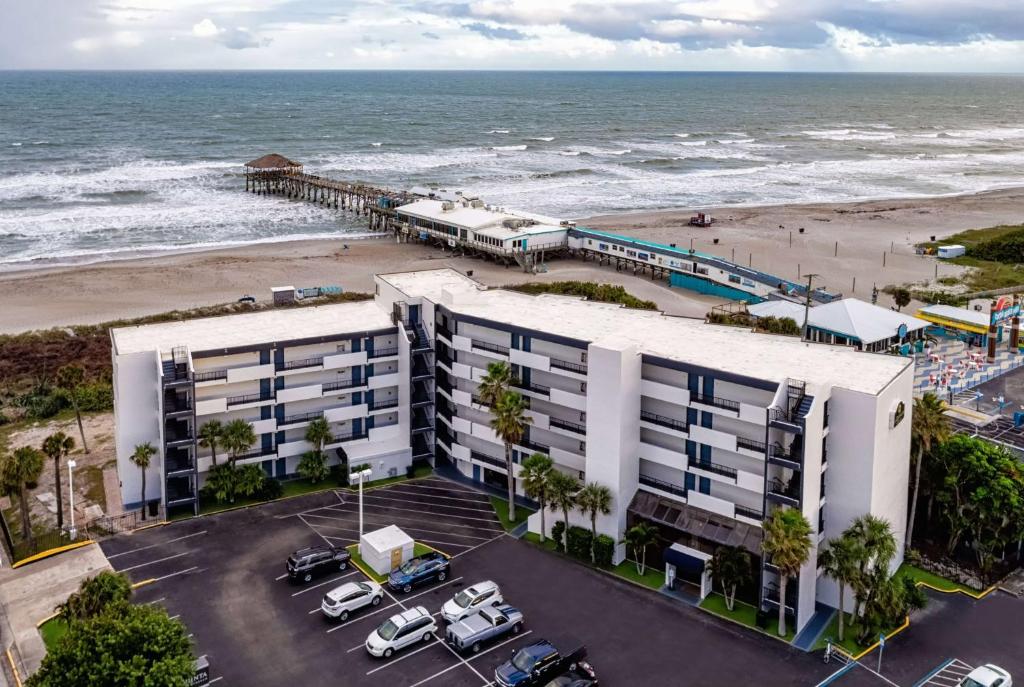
788,490
714,401
178,461
249,398
361,434
484,458
444,359
173,436
257,453
749,513
343,384
663,485
536,388
382,352
297,364
493,348
210,375
567,425
716,468
789,453
177,403
300,417
569,366
534,446
384,403
672,423
443,331
750,444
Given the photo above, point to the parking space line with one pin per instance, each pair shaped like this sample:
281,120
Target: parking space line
158,560
194,568
445,484
333,579
354,514
155,601
488,509
396,603
314,529
407,529
395,490
280,577
492,521
472,658
152,546
393,661
428,541
460,553
300,513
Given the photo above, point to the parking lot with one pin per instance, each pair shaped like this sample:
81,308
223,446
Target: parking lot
224,576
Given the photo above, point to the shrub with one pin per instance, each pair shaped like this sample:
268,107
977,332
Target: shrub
604,550
605,293
222,482
313,466
779,325
557,530
340,474
95,396
578,539
272,489
249,480
4,419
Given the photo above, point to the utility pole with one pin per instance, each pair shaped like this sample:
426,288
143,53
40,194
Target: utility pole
807,308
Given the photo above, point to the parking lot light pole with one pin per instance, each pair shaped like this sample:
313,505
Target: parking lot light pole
361,475
71,497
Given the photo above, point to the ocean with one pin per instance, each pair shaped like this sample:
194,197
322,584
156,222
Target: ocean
103,165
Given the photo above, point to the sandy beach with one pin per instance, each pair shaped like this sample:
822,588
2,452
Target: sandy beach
768,238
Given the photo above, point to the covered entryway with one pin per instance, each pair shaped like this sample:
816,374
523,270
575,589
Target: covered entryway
684,565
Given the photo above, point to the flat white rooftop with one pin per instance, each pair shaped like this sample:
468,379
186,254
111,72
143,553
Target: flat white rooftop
730,349
486,219
848,316
249,329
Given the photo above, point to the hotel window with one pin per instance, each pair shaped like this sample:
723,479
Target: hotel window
734,279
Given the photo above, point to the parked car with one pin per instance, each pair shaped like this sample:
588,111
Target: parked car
470,600
987,675
401,630
304,564
582,676
349,597
489,623
536,664
418,571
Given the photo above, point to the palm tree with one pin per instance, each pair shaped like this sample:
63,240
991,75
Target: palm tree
787,541
238,437
877,547
929,426
495,383
58,445
730,567
70,378
319,434
639,537
562,496
211,434
840,561
593,499
141,457
536,477
20,470
509,423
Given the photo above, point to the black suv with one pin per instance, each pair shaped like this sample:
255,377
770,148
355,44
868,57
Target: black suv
316,560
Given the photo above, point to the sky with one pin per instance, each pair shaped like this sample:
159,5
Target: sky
786,35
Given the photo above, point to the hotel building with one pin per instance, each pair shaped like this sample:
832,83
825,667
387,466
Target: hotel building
701,429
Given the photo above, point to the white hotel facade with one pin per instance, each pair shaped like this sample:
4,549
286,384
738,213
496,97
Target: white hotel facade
701,429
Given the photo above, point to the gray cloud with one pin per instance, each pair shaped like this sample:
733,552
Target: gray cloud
498,32
431,35
240,39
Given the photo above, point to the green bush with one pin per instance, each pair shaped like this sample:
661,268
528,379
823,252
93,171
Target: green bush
557,530
95,397
1006,248
272,489
339,473
249,480
605,293
604,550
313,466
779,325
579,539
42,404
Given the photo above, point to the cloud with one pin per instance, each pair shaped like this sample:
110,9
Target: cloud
205,29
496,32
237,38
431,35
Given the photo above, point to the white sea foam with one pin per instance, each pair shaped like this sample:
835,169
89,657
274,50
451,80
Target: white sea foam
377,144
498,131
692,143
681,135
546,139
569,153
508,148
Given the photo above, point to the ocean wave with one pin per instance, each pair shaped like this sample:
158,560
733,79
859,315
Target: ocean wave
569,153
498,131
509,148
734,141
692,143
546,139
681,135
377,144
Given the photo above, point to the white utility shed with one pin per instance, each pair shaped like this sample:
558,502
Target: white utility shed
385,549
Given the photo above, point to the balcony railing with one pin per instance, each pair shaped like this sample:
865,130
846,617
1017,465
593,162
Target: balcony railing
484,458
382,353
343,384
493,348
750,444
535,446
569,426
210,375
579,368
749,513
535,388
442,330
663,485
385,403
249,398
257,453
361,434
716,468
714,401
297,364
787,490
672,423
300,417
177,403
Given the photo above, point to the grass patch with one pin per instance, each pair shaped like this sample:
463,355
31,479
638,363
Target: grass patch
974,237
534,539
849,643
745,614
992,253
500,506
53,631
654,579
923,576
418,549
94,490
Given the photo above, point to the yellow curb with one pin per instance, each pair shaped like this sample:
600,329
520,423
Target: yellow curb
428,546
46,620
149,527
52,552
143,583
369,573
14,668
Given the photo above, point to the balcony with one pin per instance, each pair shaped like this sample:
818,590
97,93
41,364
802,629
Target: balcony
662,485
210,375
535,388
787,457
716,468
751,445
384,404
781,491
177,403
342,384
574,427
661,420
351,436
441,330
178,461
421,422
715,401
249,398
484,458
489,347
299,364
578,368
749,513
258,453
382,353
535,446
174,436
420,370
300,417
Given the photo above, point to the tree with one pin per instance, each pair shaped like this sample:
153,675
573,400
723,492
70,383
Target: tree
58,445
238,437
901,296
841,562
141,457
319,434
787,542
94,596
313,466
70,379
877,546
222,482
730,567
20,472
210,435
562,496
536,477
594,499
124,646
638,538
893,597
929,427
249,480
509,423
494,383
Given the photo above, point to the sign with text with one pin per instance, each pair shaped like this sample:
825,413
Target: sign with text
1006,312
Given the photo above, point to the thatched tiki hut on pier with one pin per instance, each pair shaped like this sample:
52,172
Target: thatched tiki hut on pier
266,174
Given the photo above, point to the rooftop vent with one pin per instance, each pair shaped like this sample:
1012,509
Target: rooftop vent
447,206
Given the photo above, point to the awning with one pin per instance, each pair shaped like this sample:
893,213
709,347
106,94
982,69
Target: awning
706,525
684,562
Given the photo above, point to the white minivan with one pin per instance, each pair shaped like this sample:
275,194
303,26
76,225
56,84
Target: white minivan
470,600
401,630
349,597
